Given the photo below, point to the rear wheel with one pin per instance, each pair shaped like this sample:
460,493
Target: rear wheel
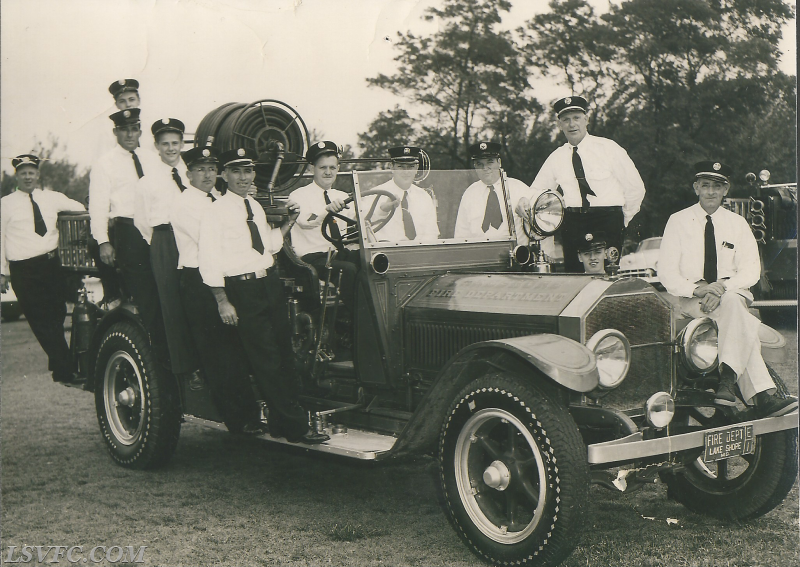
514,475
137,407
743,487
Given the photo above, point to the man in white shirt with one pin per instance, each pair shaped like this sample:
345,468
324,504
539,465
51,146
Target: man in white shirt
415,219
29,260
601,186
112,202
708,261
592,253
315,201
236,262
219,349
482,210
155,193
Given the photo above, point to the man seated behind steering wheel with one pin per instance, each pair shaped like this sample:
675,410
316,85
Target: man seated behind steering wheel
414,216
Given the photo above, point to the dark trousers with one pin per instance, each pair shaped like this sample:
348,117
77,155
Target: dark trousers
40,286
112,284
347,263
133,260
264,330
220,352
576,225
164,262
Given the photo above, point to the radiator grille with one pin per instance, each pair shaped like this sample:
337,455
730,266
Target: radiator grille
642,318
649,373
73,243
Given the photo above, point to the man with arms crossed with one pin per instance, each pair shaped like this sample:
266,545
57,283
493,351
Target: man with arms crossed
708,261
29,259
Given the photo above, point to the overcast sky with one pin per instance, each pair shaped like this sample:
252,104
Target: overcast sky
190,56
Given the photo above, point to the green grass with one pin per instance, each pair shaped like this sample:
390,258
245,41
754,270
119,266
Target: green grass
225,500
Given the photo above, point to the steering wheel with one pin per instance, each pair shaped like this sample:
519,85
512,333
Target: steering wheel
351,232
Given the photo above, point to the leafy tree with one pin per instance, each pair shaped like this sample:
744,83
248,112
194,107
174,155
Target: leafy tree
389,129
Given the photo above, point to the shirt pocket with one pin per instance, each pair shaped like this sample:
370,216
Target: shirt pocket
726,259
598,173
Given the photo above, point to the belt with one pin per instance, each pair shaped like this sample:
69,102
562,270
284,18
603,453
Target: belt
123,220
257,275
592,209
166,227
47,256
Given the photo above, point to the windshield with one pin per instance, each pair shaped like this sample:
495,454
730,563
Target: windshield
445,206
651,244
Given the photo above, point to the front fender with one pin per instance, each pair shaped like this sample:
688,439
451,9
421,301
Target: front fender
544,358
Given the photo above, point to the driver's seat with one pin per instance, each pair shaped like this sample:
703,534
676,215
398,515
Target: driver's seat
305,275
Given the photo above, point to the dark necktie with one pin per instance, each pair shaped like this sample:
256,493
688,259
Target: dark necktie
137,164
336,234
710,261
583,185
408,222
255,237
212,197
177,178
38,222
493,216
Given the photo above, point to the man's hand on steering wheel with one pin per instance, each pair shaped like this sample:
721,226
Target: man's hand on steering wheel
337,205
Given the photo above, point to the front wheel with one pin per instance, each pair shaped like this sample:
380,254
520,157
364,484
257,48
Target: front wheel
514,475
743,487
137,407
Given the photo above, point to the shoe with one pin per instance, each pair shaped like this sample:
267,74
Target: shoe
196,381
773,406
255,428
66,378
310,438
726,391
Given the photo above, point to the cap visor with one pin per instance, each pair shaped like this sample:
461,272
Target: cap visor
709,175
567,109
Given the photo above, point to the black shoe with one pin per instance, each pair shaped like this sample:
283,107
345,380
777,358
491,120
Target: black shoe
773,406
726,391
255,428
65,377
195,381
309,438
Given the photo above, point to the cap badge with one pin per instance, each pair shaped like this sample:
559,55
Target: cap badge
127,113
568,100
406,151
25,160
121,82
206,153
483,145
717,166
240,152
165,120
321,145
589,237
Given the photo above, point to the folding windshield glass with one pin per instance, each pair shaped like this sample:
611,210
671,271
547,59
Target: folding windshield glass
397,208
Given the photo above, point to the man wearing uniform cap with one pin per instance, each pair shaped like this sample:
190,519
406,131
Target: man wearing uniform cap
416,219
29,259
220,353
236,262
601,186
315,201
707,263
155,192
482,210
125,93
592,253
112,190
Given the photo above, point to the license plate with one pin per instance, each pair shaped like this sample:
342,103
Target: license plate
729,442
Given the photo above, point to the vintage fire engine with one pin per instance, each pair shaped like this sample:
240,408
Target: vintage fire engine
527,386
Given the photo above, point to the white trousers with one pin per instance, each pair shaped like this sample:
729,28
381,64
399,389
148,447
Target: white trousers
739,345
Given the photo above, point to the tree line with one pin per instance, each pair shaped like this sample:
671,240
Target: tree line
672,81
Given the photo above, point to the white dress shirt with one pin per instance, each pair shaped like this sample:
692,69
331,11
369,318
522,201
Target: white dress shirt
680,262
18,238
472,209
420,207
307,234
185,213
155,193
225,246
609,170
112,187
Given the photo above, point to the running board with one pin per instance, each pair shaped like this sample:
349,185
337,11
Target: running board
353,443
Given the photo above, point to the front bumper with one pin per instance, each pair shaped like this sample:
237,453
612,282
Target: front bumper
634,447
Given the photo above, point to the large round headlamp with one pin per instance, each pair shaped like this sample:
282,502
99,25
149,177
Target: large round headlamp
700,349
547,213
613,354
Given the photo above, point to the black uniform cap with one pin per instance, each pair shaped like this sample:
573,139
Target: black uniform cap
405,153
484,150
570,103
592,241
167,125
239,156
200,155
125,117
322,149
123,85
25,159
713,170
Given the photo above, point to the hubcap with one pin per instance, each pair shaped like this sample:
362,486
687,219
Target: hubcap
122,396
500,475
